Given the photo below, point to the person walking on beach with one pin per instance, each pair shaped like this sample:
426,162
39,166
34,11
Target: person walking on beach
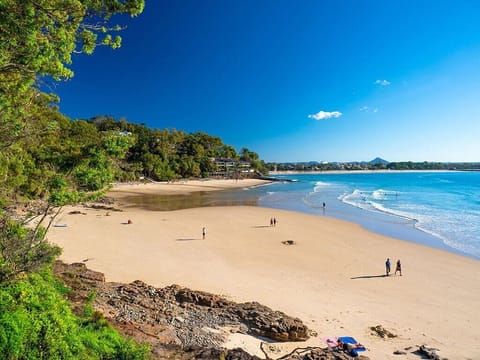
387,266
274,221
204,232
271,221
398,267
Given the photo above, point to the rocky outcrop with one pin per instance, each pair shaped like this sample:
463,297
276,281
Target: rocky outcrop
427,352
175,320
380,331
258,319
319,354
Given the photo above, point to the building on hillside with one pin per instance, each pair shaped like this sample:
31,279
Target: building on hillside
231,168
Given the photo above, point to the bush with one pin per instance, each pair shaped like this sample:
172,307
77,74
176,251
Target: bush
36,322
23,249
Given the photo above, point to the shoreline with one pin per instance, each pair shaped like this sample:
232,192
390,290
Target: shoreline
212,192
387,222
333,275
382,223
183,187
336,172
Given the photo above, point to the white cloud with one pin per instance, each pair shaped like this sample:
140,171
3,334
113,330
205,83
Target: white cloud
368,109
322,115
382,82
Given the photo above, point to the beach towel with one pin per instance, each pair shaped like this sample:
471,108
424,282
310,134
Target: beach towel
352,341
331,341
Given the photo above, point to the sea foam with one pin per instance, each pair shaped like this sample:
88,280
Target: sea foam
445,205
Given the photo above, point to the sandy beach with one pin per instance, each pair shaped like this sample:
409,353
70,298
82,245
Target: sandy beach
332,277
122,190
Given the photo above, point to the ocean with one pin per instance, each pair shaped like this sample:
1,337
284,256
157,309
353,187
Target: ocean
438,209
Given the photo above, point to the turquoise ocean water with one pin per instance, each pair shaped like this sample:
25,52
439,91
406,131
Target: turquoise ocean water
439,209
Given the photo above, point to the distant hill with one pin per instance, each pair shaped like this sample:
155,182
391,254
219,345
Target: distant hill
377,161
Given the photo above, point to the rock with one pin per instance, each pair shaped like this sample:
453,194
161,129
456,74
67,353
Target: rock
234,354
320,354
380,331
80,270
262,321
102,207
105,200
259,319
430,353
177,317
183,324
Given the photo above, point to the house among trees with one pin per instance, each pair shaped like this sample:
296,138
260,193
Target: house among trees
231,168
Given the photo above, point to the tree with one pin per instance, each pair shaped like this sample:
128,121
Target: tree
44,155
247,155
38,37
226,152
23,249
37,160
37,40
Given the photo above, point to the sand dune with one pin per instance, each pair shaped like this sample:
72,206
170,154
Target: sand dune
331,278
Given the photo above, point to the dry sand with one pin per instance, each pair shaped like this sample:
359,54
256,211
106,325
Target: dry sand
331,278
181,187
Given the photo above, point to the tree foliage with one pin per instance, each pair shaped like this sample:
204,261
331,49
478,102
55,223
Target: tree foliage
36,322
38,37
46,157
43,154
52,160
37,41
171,154
23,249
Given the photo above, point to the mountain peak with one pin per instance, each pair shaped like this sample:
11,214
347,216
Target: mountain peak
378,160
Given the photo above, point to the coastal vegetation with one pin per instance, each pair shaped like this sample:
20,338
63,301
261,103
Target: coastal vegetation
171,154
36,322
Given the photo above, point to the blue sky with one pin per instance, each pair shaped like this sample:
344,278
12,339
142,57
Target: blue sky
296,80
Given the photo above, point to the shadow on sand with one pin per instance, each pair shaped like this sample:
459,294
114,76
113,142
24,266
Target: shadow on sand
368,277
187,239
261,226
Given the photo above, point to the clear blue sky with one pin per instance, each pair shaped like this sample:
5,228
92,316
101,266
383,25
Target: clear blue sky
297,80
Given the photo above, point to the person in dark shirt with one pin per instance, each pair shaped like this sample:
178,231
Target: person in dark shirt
398,267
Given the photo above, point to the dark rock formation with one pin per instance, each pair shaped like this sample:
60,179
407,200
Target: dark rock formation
175,320
380,331
209,354
427,352
258,319
324,354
